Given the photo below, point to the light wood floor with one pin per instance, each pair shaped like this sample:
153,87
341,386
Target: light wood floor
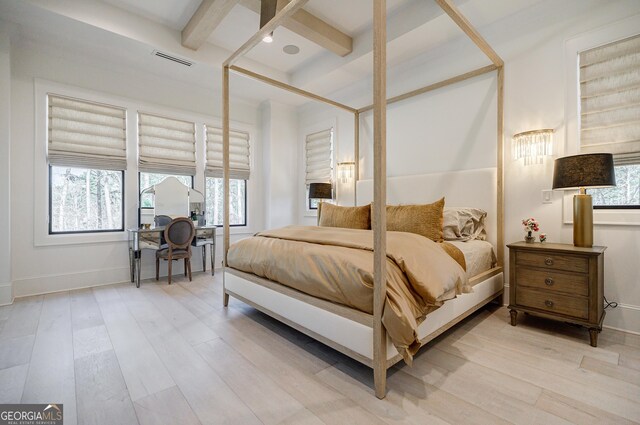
172,355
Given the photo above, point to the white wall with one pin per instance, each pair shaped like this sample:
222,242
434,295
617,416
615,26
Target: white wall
6,292
37,269
280,150
450,128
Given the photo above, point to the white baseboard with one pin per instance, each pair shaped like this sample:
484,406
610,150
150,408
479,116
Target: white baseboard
624,318
66,282
6,293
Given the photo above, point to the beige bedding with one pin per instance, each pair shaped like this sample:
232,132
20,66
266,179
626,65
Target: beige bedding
479,256
336,264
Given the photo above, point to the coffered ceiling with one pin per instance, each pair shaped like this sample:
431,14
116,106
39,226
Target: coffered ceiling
415,27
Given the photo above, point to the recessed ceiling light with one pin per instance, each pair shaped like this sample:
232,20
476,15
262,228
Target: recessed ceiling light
268,38
290,49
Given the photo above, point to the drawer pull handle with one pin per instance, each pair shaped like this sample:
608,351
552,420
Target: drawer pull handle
548,281
548,303
548,261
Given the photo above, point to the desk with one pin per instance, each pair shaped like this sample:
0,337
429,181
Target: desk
140,239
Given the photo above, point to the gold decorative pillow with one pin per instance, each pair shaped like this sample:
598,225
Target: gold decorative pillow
330,215
425,220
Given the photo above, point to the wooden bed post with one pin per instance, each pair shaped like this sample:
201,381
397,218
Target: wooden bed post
356,155
225,171
500,160
379,195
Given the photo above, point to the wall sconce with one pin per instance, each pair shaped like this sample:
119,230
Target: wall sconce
533,145
346,171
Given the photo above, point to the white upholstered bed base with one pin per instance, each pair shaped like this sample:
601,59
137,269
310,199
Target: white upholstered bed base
356,337
350,331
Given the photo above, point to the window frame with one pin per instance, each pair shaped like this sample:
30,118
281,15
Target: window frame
246,198
618,30
74,232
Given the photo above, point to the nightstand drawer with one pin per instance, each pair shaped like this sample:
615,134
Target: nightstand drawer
553,302
552,280
571,263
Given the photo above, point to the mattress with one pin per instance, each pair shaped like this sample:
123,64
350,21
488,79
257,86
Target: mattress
479,256
336,264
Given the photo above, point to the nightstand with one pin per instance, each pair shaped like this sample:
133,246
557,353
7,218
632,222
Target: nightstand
558,281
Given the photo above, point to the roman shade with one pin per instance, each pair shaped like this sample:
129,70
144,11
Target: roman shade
610,100
239,154
85,134
319,154
167,145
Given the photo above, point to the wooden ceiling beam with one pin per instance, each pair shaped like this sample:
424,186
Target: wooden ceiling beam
282,15
204,21
311,27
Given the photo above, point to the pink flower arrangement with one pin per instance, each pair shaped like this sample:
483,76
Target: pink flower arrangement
530,225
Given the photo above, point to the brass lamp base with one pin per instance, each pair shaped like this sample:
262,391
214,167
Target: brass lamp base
582,220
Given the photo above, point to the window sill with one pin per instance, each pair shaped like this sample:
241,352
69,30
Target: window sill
612,217
112,237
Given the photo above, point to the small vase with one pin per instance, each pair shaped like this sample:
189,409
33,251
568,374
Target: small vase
529,238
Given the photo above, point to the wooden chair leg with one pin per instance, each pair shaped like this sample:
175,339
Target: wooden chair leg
189,267
157,268
185,267
170,260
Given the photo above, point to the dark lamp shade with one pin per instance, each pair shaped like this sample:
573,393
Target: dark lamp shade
588,170
320,191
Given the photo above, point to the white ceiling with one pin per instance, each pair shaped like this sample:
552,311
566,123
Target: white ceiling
172,13
241,23
416,29
352,16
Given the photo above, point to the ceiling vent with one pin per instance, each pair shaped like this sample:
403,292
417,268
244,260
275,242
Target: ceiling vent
172,58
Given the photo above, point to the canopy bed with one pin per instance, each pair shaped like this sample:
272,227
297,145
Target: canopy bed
360,332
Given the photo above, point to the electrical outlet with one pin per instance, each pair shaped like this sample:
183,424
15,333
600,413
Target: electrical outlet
547,196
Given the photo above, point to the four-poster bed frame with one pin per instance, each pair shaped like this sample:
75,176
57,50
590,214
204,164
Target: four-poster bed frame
379,360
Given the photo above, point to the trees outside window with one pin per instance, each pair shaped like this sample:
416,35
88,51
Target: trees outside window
626,193
85,200
215,202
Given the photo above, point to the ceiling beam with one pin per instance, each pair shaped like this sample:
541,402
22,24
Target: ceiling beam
274,23
204,21
311,27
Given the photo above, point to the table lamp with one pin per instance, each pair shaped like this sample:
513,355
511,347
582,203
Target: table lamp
593,170
320,191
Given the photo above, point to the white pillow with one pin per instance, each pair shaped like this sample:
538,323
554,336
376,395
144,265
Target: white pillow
464,224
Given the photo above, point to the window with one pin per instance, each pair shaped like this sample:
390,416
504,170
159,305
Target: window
239,173
214,204
610,116
150,179
85,200
313,203
318,161
86,151
626,194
